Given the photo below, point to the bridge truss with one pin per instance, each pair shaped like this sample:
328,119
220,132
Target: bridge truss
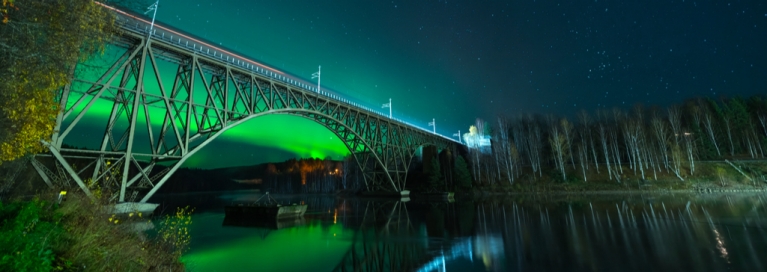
155,124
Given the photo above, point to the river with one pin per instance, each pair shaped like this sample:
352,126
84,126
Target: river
714,232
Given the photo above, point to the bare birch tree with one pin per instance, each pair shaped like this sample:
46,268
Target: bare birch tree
567,129
505,148
586,137
662,136
559,148
604,139
677,155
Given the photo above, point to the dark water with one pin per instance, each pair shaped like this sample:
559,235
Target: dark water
587,233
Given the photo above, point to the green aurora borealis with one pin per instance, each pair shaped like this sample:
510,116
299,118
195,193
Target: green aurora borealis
271,138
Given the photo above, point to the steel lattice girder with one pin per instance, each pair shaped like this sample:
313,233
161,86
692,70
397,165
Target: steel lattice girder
382,147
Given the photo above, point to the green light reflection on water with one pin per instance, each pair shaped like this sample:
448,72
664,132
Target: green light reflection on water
311,247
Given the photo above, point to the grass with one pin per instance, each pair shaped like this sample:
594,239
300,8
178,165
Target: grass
77,235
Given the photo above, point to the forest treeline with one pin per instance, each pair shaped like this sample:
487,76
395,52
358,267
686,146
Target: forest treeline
611,144
311,175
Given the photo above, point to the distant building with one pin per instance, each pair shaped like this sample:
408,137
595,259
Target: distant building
476,140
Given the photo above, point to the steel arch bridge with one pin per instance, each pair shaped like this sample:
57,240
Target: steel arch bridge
212,91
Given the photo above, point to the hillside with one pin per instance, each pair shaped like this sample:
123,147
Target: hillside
220,179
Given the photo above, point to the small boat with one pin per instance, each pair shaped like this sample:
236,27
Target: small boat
270,210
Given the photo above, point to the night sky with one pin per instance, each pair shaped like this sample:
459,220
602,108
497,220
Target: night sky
461,60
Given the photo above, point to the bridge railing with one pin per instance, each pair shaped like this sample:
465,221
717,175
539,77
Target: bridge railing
142,27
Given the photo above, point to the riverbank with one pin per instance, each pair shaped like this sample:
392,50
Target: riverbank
42,234
709,177
699,188
481,193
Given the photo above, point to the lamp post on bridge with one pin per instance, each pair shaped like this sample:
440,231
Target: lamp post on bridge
387,105
153,7
433,124
459,135
317,75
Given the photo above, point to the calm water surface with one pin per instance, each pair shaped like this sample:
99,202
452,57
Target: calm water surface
575,233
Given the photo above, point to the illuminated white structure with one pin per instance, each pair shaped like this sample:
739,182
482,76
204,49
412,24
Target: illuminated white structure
476,140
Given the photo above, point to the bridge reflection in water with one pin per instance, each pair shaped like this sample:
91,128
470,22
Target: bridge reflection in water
618,233
384,241
394,238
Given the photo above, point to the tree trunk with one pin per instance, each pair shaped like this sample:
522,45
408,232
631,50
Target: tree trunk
605,150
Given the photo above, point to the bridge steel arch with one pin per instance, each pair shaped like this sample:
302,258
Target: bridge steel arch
234,92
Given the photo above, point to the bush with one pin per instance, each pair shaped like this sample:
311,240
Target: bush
29,232
79,235
99,241
173,235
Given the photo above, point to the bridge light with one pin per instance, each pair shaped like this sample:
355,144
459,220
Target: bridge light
388,105
317,75
433,124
